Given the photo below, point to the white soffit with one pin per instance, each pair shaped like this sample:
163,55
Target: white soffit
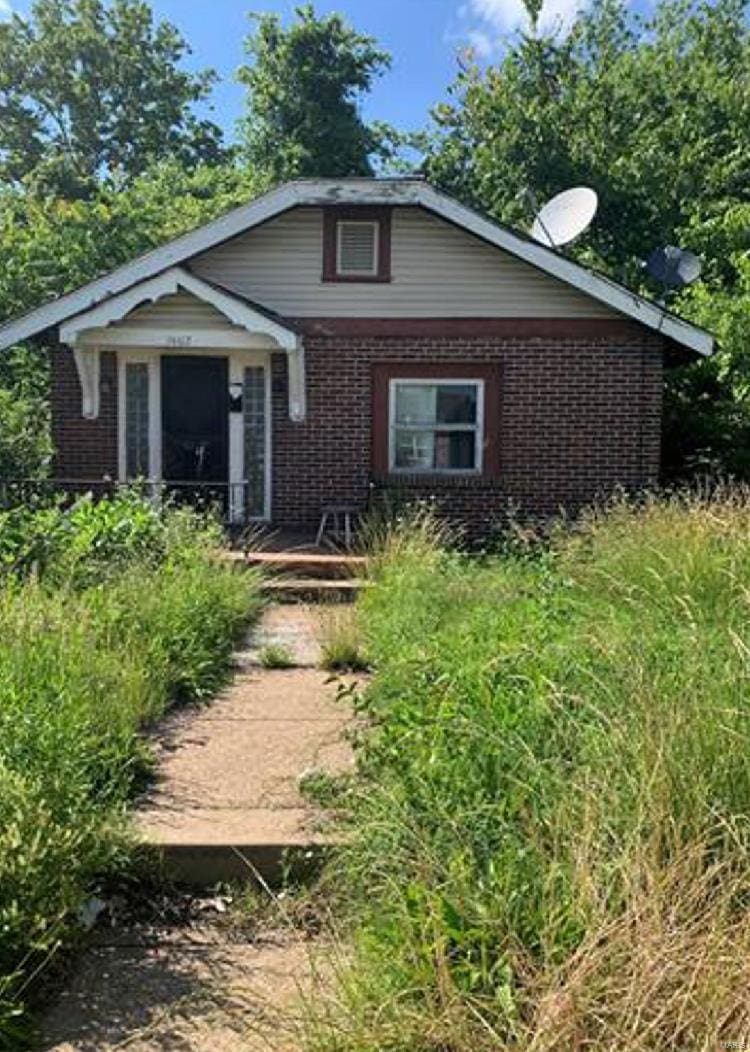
382,192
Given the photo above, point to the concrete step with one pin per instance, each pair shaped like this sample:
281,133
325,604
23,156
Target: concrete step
303,564
226,800
204,846
313,589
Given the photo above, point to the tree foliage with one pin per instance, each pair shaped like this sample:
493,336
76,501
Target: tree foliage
304,84
654,112
90,90
49,246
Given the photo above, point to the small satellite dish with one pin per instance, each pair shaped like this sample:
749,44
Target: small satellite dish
673,267
565,217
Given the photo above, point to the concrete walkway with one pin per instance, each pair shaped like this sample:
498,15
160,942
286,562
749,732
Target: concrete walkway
226,802
199,993
226,797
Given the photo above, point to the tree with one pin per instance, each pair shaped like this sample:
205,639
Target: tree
654,113
303,86
49,246
90,91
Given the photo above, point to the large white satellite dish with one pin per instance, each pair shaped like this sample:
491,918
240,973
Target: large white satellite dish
565,217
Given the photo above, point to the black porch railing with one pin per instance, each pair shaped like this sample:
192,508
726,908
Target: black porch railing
228,499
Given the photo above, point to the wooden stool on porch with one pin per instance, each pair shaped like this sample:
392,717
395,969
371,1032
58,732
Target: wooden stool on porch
336,521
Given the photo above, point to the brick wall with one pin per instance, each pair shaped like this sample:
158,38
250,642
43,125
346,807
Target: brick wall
578,417
83,449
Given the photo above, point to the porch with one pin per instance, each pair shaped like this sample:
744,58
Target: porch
191,391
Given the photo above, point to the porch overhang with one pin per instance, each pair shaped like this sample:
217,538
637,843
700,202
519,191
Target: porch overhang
94,330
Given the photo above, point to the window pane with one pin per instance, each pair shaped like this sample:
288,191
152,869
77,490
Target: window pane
455,450
136,420
416,403
457,404
415,450
254,405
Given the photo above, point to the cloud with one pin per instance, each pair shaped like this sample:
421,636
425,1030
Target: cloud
5,9
507,16
480,42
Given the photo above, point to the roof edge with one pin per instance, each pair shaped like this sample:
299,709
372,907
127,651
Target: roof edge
322,192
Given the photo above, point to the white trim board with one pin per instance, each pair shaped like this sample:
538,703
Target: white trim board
382,192
117,307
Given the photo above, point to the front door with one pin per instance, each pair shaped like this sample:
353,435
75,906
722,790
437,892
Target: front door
195,420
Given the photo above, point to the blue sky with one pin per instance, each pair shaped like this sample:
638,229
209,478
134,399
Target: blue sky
423,37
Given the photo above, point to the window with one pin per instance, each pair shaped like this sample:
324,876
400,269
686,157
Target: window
356,244
357,248
435,426
136,420
254,407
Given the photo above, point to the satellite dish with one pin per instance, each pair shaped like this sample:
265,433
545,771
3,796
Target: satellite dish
673,267
565,217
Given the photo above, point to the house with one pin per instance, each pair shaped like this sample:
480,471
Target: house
335,338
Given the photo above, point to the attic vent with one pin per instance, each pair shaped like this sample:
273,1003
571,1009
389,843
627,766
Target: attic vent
357,247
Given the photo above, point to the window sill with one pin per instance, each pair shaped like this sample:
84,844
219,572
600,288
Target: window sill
355,279
440,480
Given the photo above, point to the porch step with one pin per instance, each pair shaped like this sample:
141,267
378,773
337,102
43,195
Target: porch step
304,564
314,589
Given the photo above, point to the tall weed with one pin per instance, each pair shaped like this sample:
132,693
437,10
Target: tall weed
131,614
558,757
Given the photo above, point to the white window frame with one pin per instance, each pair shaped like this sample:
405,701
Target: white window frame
140,357
478,427
373,271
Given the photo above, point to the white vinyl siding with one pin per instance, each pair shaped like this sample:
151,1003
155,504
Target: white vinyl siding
437,270
181,311
435,426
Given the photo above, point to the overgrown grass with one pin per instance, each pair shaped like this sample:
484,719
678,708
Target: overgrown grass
133,613
551,830
276,655
342,646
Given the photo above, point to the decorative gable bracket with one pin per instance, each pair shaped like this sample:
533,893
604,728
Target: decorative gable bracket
87,365
84,333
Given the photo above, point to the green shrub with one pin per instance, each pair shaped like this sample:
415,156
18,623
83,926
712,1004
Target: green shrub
83,666
550,738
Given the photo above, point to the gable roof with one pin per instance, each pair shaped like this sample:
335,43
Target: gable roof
384,192
236,309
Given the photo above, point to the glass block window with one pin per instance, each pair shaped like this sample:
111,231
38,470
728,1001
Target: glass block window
136,420
254,407
436,426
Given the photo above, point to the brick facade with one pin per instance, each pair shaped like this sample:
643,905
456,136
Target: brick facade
83,449
579,415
